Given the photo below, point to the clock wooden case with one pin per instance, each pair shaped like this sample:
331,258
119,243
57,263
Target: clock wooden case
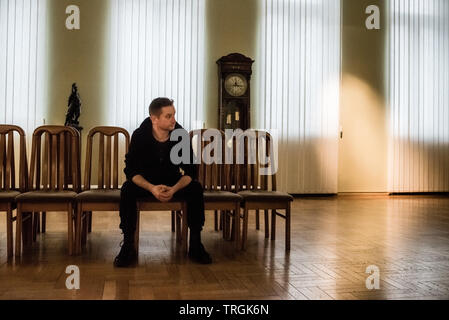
234,75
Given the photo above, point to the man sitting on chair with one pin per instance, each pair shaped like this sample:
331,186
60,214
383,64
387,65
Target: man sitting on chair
150,172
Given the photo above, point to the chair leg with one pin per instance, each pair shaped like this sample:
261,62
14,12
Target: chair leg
287,226
267,227
18,231
9,230
89,222
215,220
257,220
70,227
84,227
185,231
35,225
173,217
44,221
273,224
178,226
220,224
24,229
224,222
27,228
232,224
137,233
78,229
179,222
37,222
237,226
245,227
229,225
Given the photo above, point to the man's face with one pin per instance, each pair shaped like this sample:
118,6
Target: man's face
166,120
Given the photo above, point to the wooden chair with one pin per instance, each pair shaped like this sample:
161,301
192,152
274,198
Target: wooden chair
107,195
8,188
216,182
255,188
49,187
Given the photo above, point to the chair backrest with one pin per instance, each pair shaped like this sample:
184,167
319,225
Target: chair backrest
106,169
215,174
252,146
7,159
59,163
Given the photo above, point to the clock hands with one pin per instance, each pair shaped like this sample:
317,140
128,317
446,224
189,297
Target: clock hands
236,84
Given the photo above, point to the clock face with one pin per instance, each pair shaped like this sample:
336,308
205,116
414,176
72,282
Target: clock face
236,84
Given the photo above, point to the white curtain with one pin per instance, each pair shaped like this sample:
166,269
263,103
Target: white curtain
298,67
22,63
419,95
156,50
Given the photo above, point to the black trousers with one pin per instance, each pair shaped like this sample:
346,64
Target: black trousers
130,192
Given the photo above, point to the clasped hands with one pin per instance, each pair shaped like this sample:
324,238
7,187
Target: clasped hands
162,192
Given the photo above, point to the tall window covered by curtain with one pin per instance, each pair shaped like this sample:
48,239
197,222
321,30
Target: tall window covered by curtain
22,62
298,91
156,49
419,95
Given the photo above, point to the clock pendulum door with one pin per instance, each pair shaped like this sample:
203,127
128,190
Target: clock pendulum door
233,112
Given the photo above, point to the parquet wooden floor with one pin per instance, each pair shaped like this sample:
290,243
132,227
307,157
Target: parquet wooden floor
334,240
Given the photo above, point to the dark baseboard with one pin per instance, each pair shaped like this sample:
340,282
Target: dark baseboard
312,195
355,194
419,193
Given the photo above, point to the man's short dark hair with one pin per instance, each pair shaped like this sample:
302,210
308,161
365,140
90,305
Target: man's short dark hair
157,104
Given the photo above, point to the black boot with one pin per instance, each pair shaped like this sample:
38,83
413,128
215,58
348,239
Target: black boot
127,255
197,253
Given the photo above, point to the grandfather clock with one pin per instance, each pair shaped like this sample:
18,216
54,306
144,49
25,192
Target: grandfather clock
234,75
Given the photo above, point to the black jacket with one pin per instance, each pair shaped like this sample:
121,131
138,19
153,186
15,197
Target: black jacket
147,156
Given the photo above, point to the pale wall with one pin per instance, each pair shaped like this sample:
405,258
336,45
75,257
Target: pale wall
363,149
78,56
231,26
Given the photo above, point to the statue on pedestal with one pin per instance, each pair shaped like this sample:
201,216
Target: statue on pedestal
74,109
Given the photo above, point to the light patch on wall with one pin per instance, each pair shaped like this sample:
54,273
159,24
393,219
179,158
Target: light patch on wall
357,94
363,157
364,108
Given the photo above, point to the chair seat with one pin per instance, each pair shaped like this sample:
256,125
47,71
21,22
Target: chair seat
8,196
99,195
263,195
47,196
217,196
150,203
153,199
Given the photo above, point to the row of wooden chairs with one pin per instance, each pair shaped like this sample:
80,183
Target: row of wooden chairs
53,183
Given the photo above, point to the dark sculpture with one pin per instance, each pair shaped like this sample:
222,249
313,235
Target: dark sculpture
74,111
